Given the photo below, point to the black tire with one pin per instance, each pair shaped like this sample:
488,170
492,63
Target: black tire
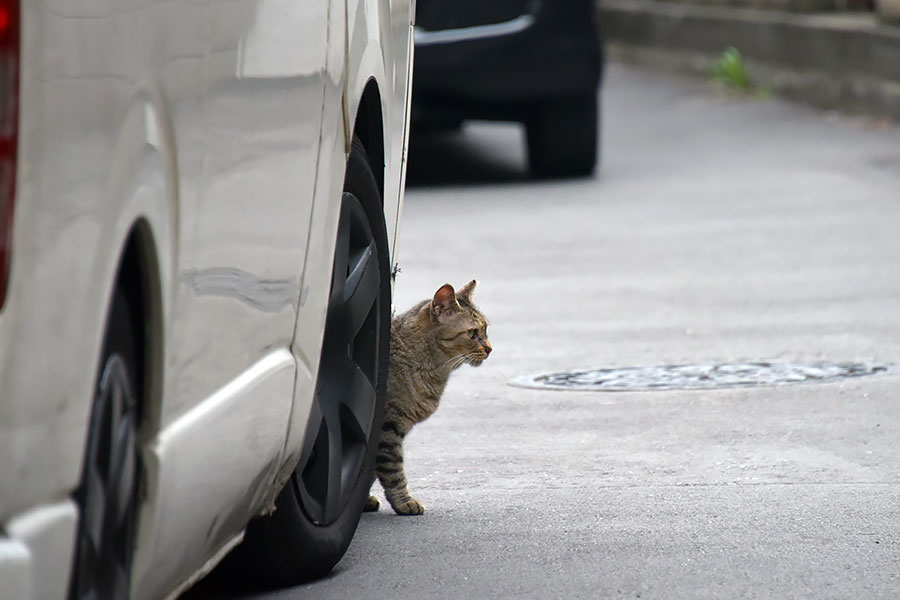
563,137
107,494
319,509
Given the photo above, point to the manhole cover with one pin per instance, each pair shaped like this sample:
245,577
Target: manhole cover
699,376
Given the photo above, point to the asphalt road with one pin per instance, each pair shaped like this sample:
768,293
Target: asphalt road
718,229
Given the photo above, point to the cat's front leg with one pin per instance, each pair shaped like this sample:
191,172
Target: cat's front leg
398,495
390,472
372,502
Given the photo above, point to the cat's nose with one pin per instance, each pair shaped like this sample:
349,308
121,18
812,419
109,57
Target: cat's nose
487,349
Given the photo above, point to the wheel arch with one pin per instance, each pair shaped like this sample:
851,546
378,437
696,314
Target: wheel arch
369,128
143,198
138,276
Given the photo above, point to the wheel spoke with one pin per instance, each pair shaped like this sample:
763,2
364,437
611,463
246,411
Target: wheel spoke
358,403
341,254
122,459
312,470
125,481
94,506
335,459
118,580
87,566
115,398
314,508
361,289
312,430
353,394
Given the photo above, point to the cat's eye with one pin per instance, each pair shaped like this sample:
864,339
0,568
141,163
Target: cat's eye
473,333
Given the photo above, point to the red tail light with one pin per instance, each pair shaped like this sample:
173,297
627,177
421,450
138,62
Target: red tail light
9,130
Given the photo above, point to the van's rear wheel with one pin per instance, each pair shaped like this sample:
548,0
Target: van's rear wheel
107,494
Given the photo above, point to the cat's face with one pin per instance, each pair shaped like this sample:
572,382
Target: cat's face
460,329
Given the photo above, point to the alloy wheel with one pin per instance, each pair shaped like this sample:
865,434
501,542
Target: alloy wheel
107,492
343,410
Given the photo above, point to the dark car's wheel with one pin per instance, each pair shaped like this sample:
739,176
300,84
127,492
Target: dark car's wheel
107,494
318,510
562,137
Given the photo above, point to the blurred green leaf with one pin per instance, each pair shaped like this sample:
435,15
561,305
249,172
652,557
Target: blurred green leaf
729,70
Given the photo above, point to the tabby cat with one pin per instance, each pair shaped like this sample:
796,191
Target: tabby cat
427,342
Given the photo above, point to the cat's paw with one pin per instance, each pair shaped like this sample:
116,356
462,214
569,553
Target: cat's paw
371,504
409,507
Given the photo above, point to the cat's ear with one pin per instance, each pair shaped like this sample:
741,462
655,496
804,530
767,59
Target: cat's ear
466,292
444,302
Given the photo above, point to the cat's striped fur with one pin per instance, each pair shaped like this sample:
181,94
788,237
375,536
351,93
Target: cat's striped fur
428,342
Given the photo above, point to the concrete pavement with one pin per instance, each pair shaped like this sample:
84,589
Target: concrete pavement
719,229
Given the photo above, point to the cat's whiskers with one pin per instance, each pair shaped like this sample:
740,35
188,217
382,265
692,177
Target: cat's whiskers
451,359
472,357
455,361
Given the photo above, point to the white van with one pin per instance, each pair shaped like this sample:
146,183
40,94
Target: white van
198,209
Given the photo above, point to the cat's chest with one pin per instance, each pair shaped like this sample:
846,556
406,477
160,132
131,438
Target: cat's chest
424,408
419,397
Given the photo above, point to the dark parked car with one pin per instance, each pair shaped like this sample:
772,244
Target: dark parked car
538,62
